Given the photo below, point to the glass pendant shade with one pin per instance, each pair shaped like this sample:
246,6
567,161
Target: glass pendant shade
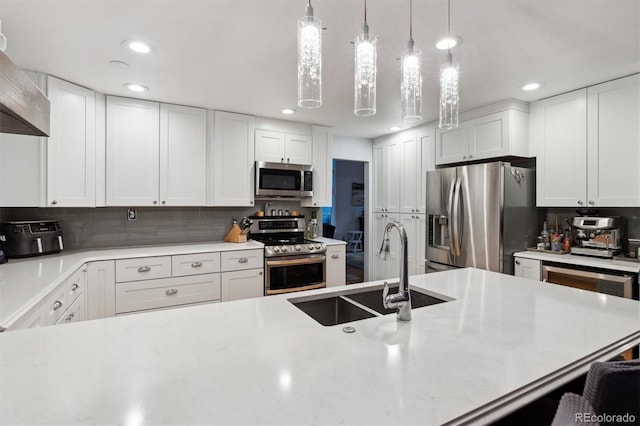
309,61
449,94
366,55
411,85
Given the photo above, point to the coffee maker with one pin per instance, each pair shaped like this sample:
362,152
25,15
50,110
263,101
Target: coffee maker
598,236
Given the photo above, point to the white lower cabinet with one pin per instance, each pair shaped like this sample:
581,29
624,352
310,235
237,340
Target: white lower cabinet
336,265
101,289
33,318
75,313
528,268
244,284
151,294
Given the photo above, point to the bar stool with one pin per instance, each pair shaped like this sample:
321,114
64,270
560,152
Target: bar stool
354,242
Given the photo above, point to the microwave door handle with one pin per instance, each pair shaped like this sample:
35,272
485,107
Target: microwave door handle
456,238
450,216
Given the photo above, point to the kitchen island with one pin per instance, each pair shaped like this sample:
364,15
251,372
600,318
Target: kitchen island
499,343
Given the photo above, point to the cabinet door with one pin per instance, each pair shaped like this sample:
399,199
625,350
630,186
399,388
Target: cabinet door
322,168
421,243
232,158
488,136
101,289
133,142
20,164
560,129
183,151
452,146
298,149
384,269
527,268
269,146
392,189
75,313
614,143
379,266
71,149
379,185
239,285
336,265
426,139
410,224
409,171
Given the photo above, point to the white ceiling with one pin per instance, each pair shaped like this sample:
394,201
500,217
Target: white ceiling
240,55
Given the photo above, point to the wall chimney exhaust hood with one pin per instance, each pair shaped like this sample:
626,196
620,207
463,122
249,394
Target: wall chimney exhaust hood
24,109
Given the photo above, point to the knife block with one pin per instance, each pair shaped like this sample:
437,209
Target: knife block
235,235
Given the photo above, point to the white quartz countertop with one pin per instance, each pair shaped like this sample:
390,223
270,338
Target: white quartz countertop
24,282
330,241
501,342
572,259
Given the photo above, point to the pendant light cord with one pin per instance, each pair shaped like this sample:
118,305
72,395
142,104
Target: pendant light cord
411,20
365,11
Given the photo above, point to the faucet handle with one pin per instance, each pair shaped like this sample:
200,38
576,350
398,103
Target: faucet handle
385,293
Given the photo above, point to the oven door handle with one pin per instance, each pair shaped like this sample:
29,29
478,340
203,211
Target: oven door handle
299,261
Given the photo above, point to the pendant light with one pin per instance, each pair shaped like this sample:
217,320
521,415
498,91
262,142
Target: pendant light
449,85
411,84
364,94
309,60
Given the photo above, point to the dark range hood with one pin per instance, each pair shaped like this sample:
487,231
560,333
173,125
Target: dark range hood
24,109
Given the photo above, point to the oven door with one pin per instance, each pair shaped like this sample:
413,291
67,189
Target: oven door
294,273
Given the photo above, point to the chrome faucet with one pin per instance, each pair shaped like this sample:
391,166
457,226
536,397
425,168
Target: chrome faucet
401,301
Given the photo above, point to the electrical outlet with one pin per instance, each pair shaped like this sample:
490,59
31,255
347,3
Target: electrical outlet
132,214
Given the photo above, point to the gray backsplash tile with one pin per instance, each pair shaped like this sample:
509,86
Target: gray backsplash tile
631,215
85,228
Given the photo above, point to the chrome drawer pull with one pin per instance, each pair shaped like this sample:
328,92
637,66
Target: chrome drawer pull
75,287
196,265
144,269
335,256
69,317
57,305
171,292
243,260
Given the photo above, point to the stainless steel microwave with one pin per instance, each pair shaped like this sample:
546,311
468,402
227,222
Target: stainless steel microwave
283,180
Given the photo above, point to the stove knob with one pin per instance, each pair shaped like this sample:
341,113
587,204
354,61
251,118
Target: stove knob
318,246
298,248
284,249
310,246
592,235
276,249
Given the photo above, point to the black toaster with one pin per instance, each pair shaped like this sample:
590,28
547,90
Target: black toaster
31,238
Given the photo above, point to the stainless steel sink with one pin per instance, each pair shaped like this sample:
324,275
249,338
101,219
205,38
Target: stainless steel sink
356,304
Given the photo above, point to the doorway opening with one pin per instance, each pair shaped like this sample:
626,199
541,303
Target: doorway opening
348,214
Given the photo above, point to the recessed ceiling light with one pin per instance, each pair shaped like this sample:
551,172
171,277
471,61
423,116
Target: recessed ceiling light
134,87
394,128
449,42
137,46
288,111
532,86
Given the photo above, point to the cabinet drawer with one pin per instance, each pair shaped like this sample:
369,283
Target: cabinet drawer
74,313
76,284
192,264
151,294
144,268
242,259
55,304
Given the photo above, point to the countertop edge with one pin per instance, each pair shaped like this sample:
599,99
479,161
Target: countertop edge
612,264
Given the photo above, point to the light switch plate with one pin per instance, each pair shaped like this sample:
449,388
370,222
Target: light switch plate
132,214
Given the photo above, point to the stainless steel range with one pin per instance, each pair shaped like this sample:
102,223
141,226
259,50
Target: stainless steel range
292,263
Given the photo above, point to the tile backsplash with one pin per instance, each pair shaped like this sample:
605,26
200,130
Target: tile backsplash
85,228
631,215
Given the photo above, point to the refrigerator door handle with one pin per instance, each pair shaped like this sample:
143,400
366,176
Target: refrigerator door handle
455,238
451,215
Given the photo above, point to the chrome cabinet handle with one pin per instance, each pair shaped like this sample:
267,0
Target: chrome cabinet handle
243,260
196,265
260,273
517,262
470,156
69,317
144,269
464,157
155,202
288,160
591,202
580,202
335,256
171,291
164,202
282,159
57,305
54,202
74,287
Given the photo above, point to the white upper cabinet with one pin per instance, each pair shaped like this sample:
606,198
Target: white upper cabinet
71,148
613,143
183,144
156,154
588,146
494,131
278,147
560,140
231,164
133,150
426,139
409,172
322,168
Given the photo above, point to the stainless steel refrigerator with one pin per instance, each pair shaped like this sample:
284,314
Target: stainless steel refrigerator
479,215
